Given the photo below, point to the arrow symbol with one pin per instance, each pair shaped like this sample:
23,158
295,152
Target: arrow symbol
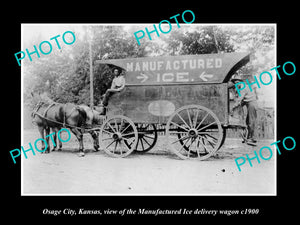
142,76
204,76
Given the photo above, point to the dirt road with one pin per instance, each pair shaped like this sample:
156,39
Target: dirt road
158,172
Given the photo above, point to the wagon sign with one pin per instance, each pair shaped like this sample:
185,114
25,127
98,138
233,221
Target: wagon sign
206,68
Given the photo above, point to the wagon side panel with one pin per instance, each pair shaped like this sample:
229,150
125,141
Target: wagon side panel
212,96
154,104
134,102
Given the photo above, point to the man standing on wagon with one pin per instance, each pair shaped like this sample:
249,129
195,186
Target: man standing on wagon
249,99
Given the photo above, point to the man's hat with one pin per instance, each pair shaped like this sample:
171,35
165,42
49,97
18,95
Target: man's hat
119,70
237,78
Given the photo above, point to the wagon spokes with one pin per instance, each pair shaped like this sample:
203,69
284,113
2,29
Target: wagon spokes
194,132
118,136
147,137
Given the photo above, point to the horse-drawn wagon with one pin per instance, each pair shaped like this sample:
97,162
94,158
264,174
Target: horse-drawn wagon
185,97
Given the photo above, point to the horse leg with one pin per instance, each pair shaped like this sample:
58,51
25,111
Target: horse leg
47,129
95,136
55,130
75,116
41,131
79,137
59,141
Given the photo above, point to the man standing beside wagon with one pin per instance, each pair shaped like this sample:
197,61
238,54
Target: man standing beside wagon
249,99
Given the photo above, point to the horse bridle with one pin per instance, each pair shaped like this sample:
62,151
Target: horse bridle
36,108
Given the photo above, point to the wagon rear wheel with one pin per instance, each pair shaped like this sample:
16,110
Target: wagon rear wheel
194,132
114,132
147,137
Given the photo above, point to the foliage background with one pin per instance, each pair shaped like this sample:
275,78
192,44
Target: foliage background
67,69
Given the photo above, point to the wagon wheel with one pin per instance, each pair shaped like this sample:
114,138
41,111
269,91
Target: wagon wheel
181,141
147,137
113,134
194,132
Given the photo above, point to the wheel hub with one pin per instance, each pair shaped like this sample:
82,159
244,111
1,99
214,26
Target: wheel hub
117,136
193,132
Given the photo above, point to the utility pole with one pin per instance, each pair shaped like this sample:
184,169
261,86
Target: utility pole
215,39
91,73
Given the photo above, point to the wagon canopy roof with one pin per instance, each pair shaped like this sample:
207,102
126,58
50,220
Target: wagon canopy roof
192,69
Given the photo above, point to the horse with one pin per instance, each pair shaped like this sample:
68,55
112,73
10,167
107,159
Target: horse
94,116
49,114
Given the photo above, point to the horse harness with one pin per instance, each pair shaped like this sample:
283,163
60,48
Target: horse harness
40,103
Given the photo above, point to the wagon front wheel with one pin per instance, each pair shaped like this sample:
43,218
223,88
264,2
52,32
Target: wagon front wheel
114,132
194,132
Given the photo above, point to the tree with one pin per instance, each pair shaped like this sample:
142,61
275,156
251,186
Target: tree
198,40
68,70
259,41
49,68
109,42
